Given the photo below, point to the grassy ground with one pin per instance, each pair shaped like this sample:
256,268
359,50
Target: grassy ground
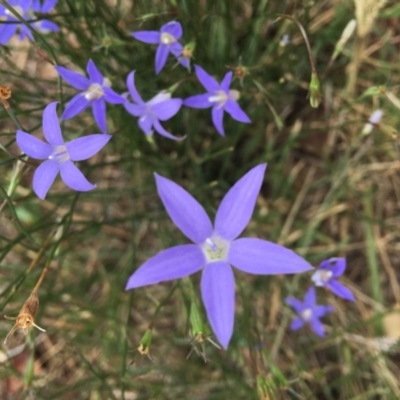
329,191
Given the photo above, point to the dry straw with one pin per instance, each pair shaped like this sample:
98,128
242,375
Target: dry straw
366,13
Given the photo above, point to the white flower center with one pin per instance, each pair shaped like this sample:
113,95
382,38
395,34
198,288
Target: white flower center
18,9
321,277
220,98
306,314
167,39
60,154
215,249
94,92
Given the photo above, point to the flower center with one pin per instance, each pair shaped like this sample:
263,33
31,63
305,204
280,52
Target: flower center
94,92
60,154
220,98
306,314
215,249
167,39
18,9
321,277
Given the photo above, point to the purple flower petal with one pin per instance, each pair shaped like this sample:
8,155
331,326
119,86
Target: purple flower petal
166,109
48,6
198,101
186,213
87,146
32,146
158,127
320,310
184,61
317,327
112,97
48,26
44,177
176,49
161,57
209,83
174,28
217,114
74,178
237,206
150,37
130,83
99,114
76,80
336,265
226,82
7,31
76,105
51,126
93,72
145,123
341,290
134,109
310,298
173,263
234,110
296,324
257,256
218,293
297,305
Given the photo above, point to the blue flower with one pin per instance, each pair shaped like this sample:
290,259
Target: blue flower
216,249
167,39
150,113
326,276
95,91
219,97
309,312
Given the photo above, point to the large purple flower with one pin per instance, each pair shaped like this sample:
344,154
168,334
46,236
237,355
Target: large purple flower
26,9
326,276
216,249
167,39
95,92
59,155
219,97
309,312
150,113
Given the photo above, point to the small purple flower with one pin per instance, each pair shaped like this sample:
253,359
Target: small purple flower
26,9
167,39
328,272
216,249
150,113
309,312
59,155
95,92
219,97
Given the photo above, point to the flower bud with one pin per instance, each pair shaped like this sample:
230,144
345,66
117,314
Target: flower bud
314,93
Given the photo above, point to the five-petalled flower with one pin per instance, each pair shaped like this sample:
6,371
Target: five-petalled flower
95,92
308,312
167,39
219,97
326,276
26,9
150,113
216,249
58,155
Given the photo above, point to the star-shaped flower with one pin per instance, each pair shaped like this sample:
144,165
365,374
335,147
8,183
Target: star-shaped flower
219,97
216,249
167,39
26,9
58,155
309,312
150,113
95,92
326,275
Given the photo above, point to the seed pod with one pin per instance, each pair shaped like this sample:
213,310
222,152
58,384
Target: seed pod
26,317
